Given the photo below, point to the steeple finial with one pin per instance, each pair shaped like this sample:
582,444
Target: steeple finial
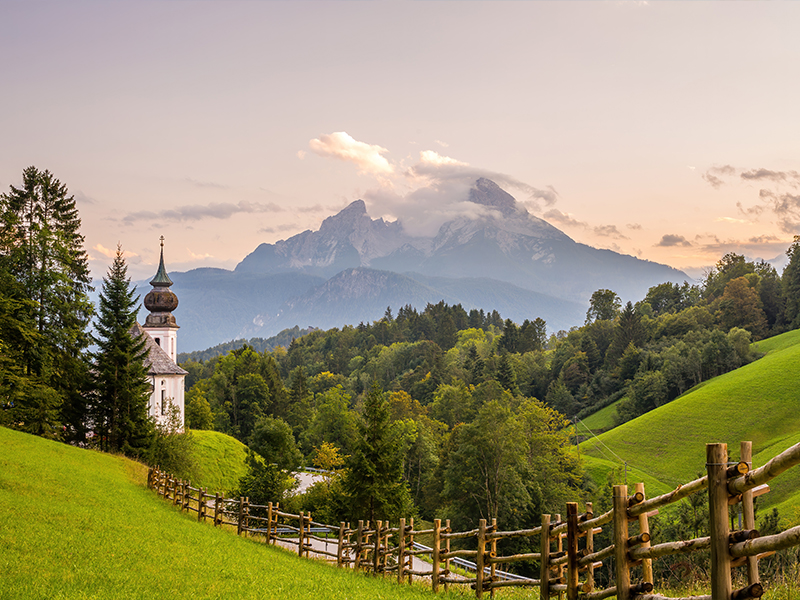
161,279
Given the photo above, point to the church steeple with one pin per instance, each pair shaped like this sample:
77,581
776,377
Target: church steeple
161,301
161,279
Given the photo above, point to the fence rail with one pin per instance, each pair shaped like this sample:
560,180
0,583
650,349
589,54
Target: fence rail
566,556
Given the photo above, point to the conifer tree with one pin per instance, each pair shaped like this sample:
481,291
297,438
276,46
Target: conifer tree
42,248
120,376
374,483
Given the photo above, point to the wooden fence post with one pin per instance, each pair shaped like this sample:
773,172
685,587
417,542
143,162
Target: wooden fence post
589,585
269,524
359,541
717,465
411,545
340,546
300,538
621,567
493,554
748,511
239,516
401,550
376,548
572,551
437,532
560,567
644,527
544,550
479,558
217,510
447,552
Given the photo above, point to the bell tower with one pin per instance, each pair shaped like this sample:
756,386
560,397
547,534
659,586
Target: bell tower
161,301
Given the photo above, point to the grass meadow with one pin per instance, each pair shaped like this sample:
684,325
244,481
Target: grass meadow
79,524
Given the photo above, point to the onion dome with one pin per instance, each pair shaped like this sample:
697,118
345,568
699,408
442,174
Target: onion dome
161,300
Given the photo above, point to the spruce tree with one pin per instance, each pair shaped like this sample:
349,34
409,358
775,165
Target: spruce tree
42,249
374,482
122,390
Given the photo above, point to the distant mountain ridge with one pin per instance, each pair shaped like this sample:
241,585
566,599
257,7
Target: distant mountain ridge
499,257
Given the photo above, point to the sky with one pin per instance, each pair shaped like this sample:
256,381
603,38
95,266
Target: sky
664,130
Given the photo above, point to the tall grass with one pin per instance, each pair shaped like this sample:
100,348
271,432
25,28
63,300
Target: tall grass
81,525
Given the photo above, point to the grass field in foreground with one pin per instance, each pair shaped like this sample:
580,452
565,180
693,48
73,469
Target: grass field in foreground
758,402
81,525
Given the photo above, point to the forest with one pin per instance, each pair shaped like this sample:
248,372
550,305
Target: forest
478,409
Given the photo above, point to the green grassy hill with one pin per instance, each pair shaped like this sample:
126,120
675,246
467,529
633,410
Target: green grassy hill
758,402
81,525
220,460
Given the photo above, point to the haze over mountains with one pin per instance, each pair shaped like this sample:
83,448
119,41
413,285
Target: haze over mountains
496,256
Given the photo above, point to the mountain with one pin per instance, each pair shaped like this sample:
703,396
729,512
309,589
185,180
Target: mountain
495,256
503,242
362,294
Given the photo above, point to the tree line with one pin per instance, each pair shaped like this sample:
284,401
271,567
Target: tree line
51,384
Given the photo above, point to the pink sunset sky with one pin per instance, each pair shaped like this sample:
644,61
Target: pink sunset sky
665,130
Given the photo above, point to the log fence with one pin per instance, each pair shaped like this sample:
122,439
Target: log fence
566,557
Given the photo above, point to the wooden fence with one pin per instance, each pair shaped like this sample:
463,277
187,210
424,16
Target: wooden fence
567,557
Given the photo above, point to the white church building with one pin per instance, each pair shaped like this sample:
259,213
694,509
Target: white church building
161,341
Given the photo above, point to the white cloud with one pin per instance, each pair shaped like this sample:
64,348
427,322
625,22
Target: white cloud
193,256
368,157
111,253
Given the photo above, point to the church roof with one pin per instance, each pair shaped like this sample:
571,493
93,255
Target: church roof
161,278
157,361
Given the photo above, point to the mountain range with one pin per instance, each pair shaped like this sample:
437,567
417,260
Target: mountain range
500,257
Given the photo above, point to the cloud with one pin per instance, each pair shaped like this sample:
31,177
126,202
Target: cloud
609,231
280,228
112,253
670,240
634,226
196,212
714,175
764,239
429,192
193,256
730,220
82,198
785,206
207,184
564,219
441,143
301,154
340,145
766,174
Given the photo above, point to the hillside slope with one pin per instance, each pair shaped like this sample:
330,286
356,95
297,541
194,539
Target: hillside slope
758,402
79,524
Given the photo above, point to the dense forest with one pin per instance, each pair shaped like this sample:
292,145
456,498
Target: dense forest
479,408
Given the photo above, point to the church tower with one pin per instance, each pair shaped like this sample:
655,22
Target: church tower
161,343
161,301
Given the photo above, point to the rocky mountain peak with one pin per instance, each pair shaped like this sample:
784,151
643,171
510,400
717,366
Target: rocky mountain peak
487,193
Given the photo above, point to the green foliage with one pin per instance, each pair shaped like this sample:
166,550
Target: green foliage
198,410
171,448
791,284
604,305
272,439
373,484
122,391
263,482
46,281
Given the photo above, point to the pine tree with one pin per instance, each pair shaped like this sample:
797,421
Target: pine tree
374,484
120,376
42,248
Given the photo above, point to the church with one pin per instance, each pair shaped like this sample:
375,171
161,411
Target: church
160,332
